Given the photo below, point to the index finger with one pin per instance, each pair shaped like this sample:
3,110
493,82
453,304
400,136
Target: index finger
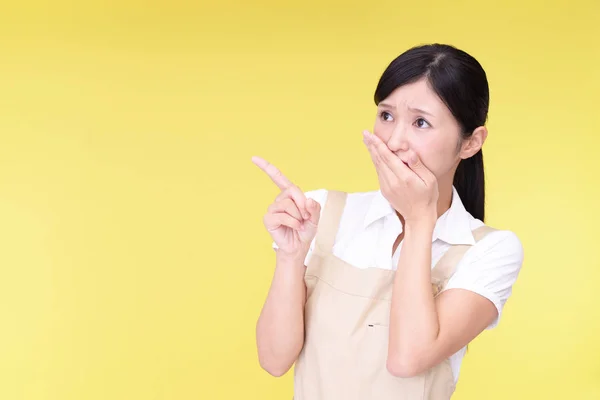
274,173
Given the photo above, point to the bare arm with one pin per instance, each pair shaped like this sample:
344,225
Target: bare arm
424,331
292,222
280,327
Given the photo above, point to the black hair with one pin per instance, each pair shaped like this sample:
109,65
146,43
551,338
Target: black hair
461,83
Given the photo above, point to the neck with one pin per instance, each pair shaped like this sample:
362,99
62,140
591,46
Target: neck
445,197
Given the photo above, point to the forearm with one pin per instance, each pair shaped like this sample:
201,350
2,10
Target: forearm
414,324
280,327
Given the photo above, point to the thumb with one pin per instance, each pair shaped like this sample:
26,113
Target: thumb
314,209
414,161
416,164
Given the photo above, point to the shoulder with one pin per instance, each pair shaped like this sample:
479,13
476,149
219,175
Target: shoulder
493,240
490,268
500,243
320,195
493,263
355,201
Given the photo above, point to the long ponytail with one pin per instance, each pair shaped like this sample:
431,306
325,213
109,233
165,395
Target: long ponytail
469,181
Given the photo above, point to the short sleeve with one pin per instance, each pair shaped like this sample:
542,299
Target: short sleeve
490,268
320,196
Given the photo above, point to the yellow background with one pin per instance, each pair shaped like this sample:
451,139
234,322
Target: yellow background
132,254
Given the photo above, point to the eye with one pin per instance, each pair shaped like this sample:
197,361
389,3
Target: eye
421,123
386,116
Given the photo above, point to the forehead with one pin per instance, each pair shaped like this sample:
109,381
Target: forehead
417,95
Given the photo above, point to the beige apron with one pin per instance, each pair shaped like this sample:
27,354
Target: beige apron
346,321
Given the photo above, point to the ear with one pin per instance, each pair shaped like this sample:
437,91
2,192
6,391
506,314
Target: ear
473,144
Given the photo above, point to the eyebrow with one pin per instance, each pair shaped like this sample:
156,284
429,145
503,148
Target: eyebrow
386,105
416,110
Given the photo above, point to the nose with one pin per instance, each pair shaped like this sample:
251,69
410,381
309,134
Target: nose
398,140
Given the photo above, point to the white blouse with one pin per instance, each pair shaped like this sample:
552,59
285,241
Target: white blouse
369,227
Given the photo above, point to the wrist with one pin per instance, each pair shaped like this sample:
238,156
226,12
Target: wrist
420,226
291,258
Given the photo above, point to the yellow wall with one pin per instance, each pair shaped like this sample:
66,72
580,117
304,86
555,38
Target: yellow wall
132,254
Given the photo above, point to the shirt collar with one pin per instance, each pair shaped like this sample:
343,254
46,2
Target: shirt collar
379,208
453,227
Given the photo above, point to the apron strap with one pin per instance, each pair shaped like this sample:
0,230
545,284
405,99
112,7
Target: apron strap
446,266
330,221
482,232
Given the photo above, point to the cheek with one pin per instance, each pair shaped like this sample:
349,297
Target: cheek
436,156
382,131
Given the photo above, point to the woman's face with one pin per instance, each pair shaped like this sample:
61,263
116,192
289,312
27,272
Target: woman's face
413,118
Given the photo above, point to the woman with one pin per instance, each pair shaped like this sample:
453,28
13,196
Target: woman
376,295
